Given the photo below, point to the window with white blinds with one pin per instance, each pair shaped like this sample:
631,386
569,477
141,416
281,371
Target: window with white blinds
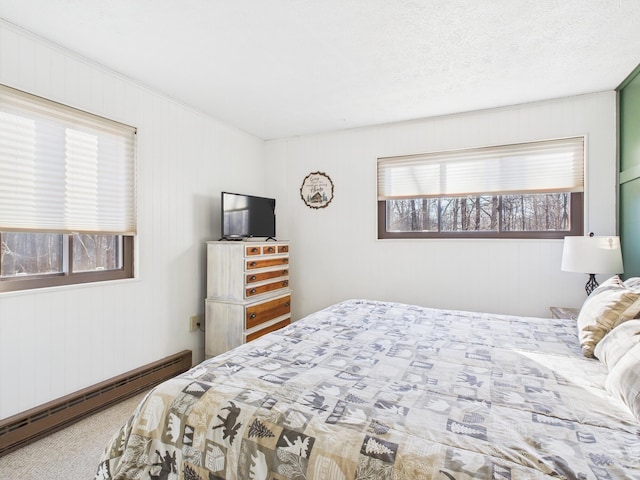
67,194
526,190
536,167
64,170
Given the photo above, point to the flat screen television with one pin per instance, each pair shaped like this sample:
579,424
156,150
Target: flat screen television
246,216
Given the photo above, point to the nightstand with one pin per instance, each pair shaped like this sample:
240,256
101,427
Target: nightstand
565,313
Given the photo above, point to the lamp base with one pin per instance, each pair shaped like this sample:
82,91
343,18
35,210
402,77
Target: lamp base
592,284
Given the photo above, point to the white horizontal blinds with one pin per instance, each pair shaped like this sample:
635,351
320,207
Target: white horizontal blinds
64,170
536,167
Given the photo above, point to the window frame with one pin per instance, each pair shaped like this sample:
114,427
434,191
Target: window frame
524,168
68,276
575,214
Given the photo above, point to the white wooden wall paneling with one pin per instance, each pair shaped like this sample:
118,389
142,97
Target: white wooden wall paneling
54,342
505,276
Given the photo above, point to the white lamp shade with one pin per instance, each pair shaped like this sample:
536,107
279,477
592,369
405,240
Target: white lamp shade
592,255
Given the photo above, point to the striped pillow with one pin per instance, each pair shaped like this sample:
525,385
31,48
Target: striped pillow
633,283
608,305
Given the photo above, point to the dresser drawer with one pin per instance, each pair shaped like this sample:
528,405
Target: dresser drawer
267,287
266,262
263,312
269,329
269,250
259,277
252,250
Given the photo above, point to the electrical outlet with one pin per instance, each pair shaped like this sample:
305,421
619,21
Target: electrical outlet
194,322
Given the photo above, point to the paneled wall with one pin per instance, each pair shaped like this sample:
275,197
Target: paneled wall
56,341
629,131
335,253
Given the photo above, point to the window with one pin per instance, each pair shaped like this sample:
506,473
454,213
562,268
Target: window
529,190
67,194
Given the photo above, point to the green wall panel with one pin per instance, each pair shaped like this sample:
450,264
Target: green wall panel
630,124
630,227
629,191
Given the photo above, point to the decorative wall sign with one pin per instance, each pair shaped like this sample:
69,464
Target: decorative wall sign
317,190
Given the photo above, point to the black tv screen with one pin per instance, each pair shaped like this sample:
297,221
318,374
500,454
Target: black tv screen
245,216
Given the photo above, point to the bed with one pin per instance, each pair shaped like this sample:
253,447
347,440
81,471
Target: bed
377,390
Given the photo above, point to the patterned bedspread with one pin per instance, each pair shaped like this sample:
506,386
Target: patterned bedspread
374,390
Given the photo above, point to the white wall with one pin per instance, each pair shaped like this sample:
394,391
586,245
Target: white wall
56,341
335,253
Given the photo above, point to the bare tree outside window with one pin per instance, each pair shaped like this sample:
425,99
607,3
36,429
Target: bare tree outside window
542,212
501,215
30,254
93,252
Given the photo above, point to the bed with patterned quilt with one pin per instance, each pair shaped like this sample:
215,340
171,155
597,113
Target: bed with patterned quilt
377,390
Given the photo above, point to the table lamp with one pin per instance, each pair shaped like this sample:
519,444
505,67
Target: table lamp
592,255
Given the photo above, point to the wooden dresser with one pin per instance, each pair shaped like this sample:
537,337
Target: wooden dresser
248,292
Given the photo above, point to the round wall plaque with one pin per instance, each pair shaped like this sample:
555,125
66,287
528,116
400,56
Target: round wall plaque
317,190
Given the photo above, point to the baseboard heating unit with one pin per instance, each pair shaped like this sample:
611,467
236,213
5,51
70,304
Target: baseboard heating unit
25,427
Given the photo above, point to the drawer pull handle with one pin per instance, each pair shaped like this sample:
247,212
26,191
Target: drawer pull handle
285,260
270,249
254,249
252,291
288,304
252,316
252,278
285,283
252,264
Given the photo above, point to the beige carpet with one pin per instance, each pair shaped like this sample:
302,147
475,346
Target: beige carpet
70,454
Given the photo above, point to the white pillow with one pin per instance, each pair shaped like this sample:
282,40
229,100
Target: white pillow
617,343
623,380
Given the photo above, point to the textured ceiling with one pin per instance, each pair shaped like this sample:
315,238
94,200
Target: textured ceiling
281,68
